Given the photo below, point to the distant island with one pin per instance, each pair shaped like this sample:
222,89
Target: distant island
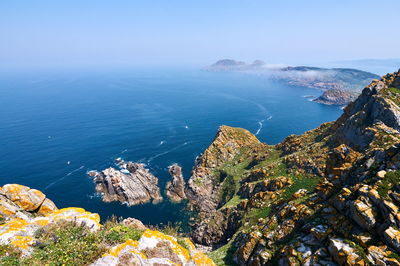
343,84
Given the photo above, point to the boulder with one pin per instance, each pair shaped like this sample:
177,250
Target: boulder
176,187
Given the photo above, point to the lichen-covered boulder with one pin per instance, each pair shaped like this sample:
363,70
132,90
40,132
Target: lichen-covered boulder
25,197
17,201
154,248
20,233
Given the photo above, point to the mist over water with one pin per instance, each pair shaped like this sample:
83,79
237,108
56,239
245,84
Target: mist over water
57,125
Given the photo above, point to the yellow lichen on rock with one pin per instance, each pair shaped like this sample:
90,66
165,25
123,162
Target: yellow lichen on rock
162,249
25,197
22,242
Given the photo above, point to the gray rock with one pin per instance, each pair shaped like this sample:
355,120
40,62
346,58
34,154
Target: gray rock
133,185
176,187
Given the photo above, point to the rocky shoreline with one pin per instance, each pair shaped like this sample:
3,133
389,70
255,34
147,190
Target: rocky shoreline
330,196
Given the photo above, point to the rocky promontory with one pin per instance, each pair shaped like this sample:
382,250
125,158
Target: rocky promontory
175,189
133,184
342,84
33,231
330,196
336,97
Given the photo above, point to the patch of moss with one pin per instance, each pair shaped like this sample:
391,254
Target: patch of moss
391,178
120,233
299,182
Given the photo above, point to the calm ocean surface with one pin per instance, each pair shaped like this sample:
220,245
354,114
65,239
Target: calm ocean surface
154,116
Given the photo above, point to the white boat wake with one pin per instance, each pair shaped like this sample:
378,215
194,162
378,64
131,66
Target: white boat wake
166,152
62,178
261,123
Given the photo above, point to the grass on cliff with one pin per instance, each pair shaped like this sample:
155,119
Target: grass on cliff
391,178
66,243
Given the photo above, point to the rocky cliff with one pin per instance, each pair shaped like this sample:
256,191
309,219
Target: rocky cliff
34,232
328,197
175,189
336,97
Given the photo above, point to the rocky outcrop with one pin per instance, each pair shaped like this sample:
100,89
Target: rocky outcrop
133,185
25,210
336,97
176,187
374,110
203,189
20,236
154,248
17,201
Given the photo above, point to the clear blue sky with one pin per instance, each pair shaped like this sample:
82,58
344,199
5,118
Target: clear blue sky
86,32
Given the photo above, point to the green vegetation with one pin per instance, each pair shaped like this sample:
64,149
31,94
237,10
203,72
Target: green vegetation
390,179
9,255
224,255
232,173
120,233
299,182
66,243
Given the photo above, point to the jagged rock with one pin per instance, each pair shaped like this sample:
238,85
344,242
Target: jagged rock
392,237
343,253
340,159
176,187
244,251
363,213
216,227
133,185
134,223
17,201
154,248
26,198
371,107
250,189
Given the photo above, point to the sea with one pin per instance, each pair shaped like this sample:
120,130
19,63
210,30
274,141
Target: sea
58,124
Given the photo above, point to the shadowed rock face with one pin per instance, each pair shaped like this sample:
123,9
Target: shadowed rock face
133,185
376,106
176,187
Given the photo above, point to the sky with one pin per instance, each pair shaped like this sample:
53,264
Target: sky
129,32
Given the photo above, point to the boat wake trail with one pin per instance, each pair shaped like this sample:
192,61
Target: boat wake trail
168,151
62,178
261,123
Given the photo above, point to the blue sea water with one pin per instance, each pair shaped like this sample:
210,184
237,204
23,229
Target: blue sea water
55,125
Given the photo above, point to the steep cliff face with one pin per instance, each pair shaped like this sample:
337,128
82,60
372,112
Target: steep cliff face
215,180
206,183
376,110
34,232
330,196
